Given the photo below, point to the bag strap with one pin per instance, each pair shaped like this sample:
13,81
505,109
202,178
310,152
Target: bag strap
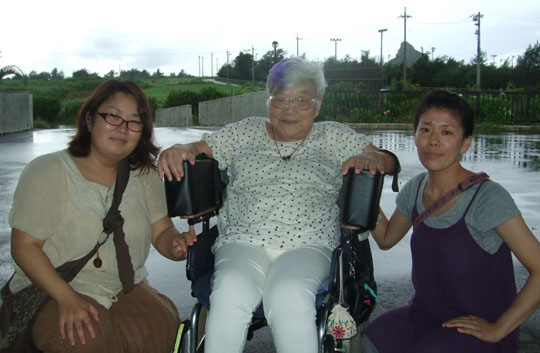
444,199
397,170
114,222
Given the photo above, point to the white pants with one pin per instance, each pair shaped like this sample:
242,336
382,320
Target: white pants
287,282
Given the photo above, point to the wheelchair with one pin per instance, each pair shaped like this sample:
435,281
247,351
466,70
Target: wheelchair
198,197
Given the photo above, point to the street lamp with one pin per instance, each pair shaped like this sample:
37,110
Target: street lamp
335,40
275,45
381,31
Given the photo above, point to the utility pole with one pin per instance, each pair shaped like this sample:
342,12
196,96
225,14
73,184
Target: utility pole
476,18
211,65
493,56
202,66
381,31
228,53
335,40
297,41
199,66
405,16
432,51
252,64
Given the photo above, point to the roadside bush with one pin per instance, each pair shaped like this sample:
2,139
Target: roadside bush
155,104
494,110
210,93
46,108
183,97
68,114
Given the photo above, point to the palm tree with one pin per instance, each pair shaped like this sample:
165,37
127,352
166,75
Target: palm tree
11,70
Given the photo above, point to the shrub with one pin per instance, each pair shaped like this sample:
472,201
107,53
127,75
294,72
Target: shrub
46,108
68,114
155,104
210,93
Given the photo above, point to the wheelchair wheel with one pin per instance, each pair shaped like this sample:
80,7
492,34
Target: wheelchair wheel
352,345
195,341
329,344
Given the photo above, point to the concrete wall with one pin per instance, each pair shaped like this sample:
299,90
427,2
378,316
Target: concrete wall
223,111
15,112
174,116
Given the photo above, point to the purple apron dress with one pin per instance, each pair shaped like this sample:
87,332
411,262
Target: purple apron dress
452,276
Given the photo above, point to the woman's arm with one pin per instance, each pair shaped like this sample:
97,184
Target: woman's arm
170,160
74,310
388,233
526,247
170,242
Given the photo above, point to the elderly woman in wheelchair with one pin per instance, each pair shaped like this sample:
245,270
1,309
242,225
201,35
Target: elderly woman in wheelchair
279,222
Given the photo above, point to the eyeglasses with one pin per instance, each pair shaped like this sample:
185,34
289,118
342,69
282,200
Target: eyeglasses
116,120
300,103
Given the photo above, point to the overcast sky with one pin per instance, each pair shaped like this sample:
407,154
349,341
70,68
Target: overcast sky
101,36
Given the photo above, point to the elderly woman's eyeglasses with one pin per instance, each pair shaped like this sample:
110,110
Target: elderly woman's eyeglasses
300,103
116,120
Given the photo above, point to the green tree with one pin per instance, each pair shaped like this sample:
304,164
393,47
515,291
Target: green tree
57,75
527,71
266,62
109,74
158,73
243,64
84,73
45,76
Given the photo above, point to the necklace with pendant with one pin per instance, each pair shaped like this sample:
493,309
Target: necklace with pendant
286,158
97,260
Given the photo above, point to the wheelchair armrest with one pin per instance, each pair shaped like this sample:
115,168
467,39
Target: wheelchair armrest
360,197
198,193
200,259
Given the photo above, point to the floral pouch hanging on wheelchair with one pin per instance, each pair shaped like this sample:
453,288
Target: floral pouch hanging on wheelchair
341,324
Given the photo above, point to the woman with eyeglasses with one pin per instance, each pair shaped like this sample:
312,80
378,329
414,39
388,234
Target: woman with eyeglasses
62,210
279,222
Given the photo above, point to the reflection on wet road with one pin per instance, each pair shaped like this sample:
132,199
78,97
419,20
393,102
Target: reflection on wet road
513,160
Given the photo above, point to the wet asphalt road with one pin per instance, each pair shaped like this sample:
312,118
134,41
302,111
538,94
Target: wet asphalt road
512,160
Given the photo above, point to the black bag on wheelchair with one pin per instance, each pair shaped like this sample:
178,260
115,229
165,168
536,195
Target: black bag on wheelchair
198,192
359,204
360,288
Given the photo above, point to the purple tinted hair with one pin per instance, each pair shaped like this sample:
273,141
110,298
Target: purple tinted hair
293,71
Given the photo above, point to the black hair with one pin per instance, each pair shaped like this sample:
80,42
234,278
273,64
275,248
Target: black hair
448,101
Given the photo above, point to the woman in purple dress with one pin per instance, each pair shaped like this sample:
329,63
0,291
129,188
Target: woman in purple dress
465,296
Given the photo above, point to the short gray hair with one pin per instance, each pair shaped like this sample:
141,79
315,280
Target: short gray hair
292,71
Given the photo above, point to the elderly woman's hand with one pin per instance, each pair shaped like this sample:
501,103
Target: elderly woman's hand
371,160
170,162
